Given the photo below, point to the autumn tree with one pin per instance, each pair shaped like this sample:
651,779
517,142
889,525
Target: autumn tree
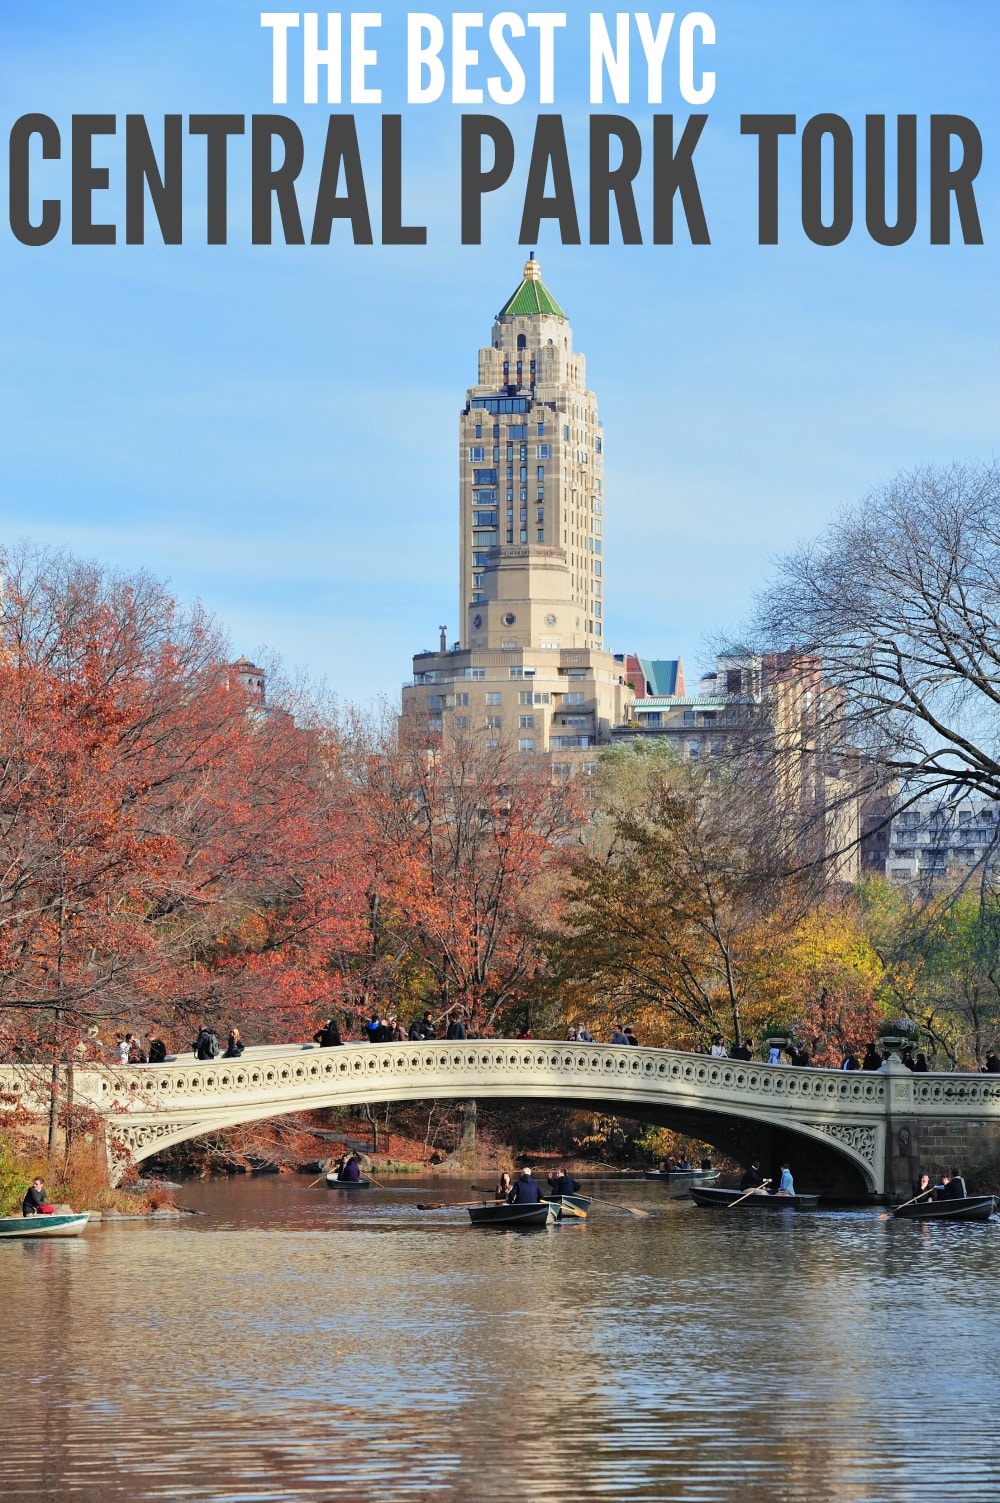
167,843
467,843
678,900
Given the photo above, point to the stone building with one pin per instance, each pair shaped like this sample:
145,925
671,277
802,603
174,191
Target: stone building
529,664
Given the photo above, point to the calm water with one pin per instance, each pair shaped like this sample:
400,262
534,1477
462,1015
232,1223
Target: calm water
299,1344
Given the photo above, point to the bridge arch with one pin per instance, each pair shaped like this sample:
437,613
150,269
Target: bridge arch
832,1120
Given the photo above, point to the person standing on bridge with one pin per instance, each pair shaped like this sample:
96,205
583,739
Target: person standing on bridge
328,1037
619,1036
206,1045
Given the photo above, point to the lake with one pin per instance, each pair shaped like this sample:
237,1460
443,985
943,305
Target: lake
305,1344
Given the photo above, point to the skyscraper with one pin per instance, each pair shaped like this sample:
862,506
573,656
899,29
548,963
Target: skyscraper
531,465
529,663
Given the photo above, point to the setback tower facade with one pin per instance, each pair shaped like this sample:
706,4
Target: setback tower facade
530,662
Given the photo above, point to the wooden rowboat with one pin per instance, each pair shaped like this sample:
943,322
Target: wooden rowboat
699,1176
348,1184
967,1208
44,1226
705,1195
512,1215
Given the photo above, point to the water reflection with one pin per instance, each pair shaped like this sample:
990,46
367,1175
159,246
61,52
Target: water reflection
304,1345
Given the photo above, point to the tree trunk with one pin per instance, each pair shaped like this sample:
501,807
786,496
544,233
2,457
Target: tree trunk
467,1142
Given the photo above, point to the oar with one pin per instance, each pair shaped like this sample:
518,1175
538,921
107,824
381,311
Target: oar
922,1196
446,1205
747,1196
315,1182
632,1210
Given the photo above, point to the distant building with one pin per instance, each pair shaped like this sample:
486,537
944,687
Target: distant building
529,664
936,839
778,708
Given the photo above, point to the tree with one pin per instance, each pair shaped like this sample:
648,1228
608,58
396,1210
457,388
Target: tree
465,843
678,902
900,599
166,842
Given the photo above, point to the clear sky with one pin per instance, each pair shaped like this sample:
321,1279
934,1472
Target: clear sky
273,429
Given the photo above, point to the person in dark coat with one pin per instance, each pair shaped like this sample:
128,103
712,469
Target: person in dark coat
952,1186
34,1203
526,1190
456,1029
329,1035
349,1169
157,1050
563,1183
206,1045
752,1179
872,1059
422,1029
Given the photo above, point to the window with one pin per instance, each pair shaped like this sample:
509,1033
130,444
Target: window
494,722
542,699
565,435
461,700
589,768
543,451
541,429
524,697
597,567
716,748
734,681
461,722
493,697
475,673
524,535
599,445
484,477
541,535
484,498
492,745
518,431
527,722
576,720
479,430
434,723
562,769
484,519
477,454
694,750
689,717
576,697
526,744
563,743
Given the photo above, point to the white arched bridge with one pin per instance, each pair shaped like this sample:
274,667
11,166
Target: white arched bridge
851,1133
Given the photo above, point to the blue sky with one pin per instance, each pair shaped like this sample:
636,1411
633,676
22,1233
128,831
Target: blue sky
274,429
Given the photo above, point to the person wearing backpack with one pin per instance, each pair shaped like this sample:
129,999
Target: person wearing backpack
206,1045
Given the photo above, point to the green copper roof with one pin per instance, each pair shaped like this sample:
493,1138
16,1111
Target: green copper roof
532,296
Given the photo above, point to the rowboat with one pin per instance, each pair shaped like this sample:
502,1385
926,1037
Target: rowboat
704,1195
44,1226
512,1215
967,1208
348,1184
700,1176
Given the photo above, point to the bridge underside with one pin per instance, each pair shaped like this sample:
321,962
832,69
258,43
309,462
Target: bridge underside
819,1166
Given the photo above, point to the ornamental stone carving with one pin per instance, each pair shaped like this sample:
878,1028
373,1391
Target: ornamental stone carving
861,1140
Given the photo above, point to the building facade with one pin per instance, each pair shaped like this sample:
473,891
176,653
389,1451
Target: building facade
530,664
939,839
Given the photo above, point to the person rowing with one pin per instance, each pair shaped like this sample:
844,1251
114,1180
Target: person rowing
525,1190
752,1179
349,1169
561,1183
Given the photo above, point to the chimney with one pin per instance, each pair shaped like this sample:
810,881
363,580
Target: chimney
444,638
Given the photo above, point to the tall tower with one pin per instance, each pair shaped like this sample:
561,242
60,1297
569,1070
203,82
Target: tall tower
530,666
531,480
